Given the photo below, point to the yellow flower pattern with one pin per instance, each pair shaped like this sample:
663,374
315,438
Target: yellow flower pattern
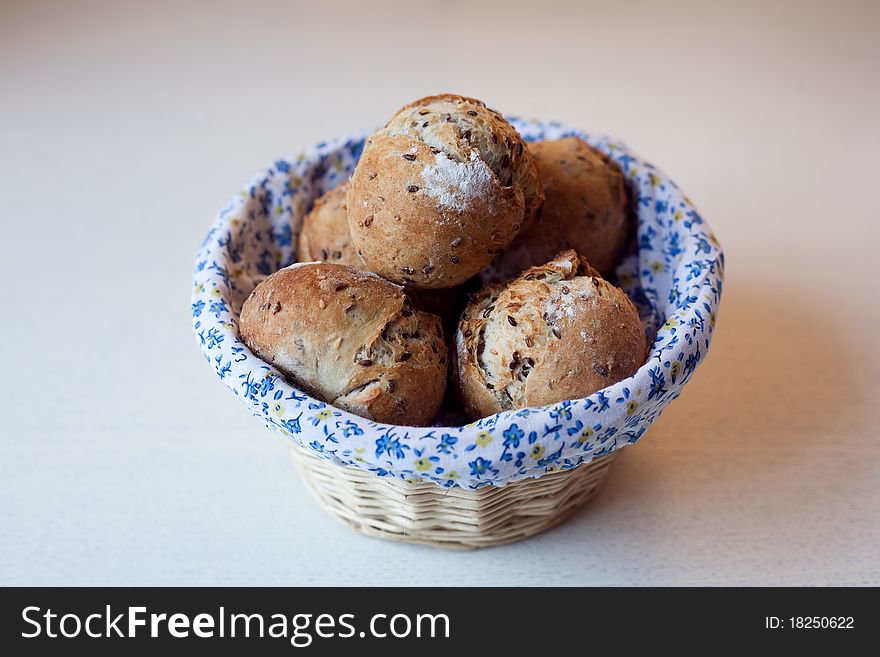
483,438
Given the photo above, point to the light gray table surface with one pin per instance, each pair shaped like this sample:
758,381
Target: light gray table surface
124,128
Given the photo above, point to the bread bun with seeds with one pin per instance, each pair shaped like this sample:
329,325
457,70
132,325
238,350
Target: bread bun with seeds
438,192
557,332
351,339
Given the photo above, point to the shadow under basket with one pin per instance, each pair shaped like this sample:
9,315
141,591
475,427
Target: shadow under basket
448,517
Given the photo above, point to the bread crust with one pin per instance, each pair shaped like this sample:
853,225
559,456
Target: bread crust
557,332
351,339
585,209
324,234
438,192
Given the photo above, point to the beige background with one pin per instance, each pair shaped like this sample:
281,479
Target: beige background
124,128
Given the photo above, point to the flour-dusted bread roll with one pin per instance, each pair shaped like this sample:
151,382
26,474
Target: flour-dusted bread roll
324,235
351,339
557,332
438,192
585,209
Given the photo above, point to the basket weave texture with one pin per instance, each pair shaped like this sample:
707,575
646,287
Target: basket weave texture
448,517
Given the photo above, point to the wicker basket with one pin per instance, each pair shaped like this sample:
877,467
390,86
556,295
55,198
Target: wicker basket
448,517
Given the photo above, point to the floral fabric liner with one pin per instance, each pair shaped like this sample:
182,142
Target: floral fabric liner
673,273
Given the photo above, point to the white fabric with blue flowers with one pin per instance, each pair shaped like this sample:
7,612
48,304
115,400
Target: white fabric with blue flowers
673,274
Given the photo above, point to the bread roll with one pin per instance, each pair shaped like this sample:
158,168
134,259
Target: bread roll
351,339
439,191
324,235
585,209
557,332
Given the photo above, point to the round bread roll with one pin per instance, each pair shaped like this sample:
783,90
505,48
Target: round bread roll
324,235
438,192
557,332
585,209
351,339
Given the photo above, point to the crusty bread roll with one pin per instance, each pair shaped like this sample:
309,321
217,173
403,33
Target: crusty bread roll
557,332
324,235
585,209
439,191
351,339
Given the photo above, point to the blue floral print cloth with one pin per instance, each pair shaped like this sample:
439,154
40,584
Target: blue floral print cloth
673,274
